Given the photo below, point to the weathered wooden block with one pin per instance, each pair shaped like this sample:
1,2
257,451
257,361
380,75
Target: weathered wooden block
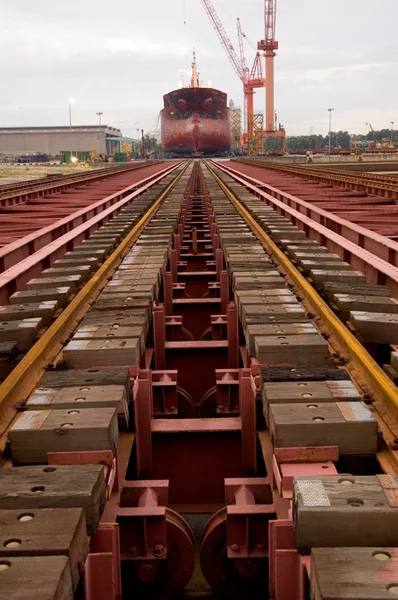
303,373
83,270
347,303
61,486
252,283
310,265
85,378
376,328
258,313
262,300
22,332
354,573
45,532
303,350
316,256
111,331
135,290
260,330
43,283
70,260
17,312
308,391
340,510
365,289
102,353
123,318
116,302
36,578
72,398
320,276
57,294
348,425
394,360
36,432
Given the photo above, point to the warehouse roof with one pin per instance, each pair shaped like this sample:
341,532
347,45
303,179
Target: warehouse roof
112,131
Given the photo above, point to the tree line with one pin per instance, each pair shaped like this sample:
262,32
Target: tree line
338,139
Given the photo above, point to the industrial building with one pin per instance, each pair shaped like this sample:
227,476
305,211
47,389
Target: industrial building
100,139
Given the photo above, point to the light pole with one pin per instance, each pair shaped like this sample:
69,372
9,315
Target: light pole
71,101
392,132
99,114
138,140
330,129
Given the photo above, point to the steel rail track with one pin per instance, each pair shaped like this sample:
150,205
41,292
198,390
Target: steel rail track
31,254
140,521
29,370
43,186
375,255
385,186
353,354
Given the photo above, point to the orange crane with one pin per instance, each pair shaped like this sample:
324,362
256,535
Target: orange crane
250,79
254,79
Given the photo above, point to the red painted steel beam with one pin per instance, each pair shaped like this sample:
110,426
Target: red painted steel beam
377,244
376,270
21,194
13,253
31,266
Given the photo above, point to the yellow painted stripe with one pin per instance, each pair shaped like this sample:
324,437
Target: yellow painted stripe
381,385
24,377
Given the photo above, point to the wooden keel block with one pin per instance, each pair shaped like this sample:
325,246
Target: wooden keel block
62,486
331,289
304,373
36,578
348,425
302,350
310,265
57,294
308,391
347,303
43,283
331,511
258,313
77,398
45,532
252,283
83,270
17,312
102,353
111,332
316,256
352,277
85,378
376,328
354,573
259,330
22,332
35,433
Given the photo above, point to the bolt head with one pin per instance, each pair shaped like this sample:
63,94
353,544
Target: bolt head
235,548
158,550
133,551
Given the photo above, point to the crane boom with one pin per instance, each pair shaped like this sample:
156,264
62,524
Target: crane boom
241,35
224,39
270,21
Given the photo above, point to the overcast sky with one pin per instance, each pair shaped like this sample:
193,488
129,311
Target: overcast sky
121,56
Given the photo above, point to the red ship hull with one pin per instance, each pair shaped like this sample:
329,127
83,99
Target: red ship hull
195,120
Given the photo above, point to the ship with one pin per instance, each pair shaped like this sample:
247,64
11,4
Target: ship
195,120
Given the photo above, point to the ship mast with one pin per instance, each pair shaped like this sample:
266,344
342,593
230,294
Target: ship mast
194,72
